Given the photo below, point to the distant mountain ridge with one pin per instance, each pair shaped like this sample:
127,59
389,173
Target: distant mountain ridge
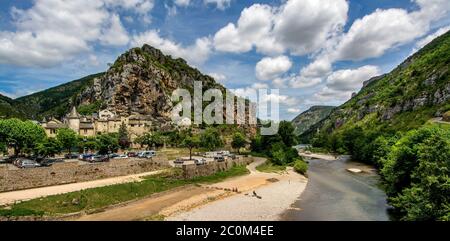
310,117
416,91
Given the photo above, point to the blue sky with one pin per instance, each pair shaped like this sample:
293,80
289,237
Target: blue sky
317,52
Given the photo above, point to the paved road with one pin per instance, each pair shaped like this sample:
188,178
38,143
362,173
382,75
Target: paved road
22,195
334,194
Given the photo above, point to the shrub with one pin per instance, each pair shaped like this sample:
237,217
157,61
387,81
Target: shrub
301,167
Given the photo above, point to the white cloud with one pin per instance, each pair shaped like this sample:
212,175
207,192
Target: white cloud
182,3
270,68
218,77
342,83
55,31
303,26
252,93
115,35
303,82
252,29
139,6
375,33
220,4
351,79
300,26
293,110
424,41
194,54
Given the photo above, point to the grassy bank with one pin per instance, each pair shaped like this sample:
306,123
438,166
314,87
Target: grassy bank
270,167
97,198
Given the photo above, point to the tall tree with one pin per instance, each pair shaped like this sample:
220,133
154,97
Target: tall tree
210,139
238,141
67,138
124,140
21,135
191,142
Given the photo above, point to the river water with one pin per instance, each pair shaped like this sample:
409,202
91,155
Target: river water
334,194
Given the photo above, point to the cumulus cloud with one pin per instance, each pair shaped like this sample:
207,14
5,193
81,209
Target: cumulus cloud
293,110
220,4
115,35
252,29
375,33
424,41
139,6
182,3
218,77
270,68
300,26
342,83
53,31
194,54
304,26
351,79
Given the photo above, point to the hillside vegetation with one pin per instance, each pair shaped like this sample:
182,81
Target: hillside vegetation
388,124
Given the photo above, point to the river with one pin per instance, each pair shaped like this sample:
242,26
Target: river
334,194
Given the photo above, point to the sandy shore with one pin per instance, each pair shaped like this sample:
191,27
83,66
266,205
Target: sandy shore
277,193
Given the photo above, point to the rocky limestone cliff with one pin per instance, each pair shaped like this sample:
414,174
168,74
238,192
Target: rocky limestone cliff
310,117
141,81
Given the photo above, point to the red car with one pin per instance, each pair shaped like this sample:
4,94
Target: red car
132,154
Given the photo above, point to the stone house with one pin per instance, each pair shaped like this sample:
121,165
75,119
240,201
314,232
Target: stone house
99,123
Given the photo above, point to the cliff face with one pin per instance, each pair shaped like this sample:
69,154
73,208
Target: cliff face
414,92
310,117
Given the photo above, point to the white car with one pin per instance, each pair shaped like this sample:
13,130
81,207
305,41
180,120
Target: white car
147,154
199,161
123,156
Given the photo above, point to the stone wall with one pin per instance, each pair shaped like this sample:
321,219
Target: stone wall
72,172
210,168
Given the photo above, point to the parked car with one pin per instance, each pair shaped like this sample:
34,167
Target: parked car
199,161
132,154
26,163
98,158
85,157
219,158
147,154
71,156
179,161
5,159
113,155
232,156
223,153
210,154
123,156
49,162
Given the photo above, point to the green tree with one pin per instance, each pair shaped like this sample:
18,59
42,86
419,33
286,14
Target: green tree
124,140
21,135
150,140
238,141
286,132
48,147
67,138
191,142
107,143
87,144
210,139
416,173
